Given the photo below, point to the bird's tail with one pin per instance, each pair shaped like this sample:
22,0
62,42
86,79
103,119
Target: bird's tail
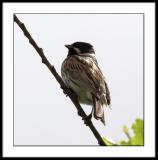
98,109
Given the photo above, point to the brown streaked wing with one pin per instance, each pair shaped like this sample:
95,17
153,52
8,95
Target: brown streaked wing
90,71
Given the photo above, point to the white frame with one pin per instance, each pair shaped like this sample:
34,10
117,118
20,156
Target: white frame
148,149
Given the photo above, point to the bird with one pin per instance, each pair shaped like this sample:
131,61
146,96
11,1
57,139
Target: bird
81,73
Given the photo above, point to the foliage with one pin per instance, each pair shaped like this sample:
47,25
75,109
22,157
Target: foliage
109,142
136,140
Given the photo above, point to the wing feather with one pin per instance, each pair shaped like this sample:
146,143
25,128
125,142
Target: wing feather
85,72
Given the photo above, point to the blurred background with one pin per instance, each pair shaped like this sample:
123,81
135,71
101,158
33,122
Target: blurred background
43,115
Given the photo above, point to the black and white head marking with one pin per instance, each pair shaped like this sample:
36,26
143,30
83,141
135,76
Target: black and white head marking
79,48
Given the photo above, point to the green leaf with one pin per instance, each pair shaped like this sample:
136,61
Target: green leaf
138,129
109,142
138,126
124,143
125,129
136,139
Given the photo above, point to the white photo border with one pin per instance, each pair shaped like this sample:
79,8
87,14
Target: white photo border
148,150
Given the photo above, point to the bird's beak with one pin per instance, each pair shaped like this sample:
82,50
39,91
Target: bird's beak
68,46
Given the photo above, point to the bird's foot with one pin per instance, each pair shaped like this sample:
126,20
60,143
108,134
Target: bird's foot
68,92
87,119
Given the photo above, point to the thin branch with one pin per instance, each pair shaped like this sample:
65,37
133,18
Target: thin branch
72,96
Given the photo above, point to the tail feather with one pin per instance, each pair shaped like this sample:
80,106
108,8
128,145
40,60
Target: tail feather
98,109
105,101
108,97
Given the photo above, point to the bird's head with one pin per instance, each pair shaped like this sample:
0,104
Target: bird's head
80,48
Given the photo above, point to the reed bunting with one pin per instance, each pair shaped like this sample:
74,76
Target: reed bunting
81,73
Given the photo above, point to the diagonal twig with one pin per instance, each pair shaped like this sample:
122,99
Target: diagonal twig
72,96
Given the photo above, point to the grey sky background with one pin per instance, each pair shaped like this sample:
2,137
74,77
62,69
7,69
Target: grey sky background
43,115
